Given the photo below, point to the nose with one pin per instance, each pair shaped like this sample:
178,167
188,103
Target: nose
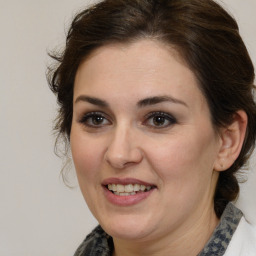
123,149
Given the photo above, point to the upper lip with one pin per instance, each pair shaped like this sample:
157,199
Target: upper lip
125,181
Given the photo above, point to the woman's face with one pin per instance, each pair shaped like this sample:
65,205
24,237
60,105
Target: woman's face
141,128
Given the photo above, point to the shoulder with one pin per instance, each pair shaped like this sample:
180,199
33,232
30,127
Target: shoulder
243,242
97,243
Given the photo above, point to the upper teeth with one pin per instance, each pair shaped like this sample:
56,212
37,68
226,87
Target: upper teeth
128,188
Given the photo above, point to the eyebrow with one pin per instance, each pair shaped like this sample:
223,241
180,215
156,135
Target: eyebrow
159,99
142,103
92,100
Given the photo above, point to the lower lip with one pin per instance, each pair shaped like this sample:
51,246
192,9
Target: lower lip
126,200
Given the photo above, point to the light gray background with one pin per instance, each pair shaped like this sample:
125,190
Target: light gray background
38,214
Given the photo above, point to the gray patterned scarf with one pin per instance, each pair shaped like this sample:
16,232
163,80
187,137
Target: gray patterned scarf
99,243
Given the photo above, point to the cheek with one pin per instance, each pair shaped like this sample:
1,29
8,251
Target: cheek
184,158
184,167
86,155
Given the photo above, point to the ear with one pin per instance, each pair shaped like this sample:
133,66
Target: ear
231,141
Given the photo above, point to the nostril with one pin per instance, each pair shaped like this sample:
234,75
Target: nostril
123,158
117,161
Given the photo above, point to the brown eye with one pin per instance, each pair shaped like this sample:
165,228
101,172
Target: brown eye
159,120
95,120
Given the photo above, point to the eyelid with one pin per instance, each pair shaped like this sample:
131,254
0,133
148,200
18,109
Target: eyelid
91,114
85,119
172,120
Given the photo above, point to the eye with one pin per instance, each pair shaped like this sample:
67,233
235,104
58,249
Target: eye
95,120
159,120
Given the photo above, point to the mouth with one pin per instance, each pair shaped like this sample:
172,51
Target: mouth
129,189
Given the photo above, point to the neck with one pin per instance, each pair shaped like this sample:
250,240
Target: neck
189,240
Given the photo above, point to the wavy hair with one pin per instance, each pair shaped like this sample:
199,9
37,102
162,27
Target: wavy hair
206,37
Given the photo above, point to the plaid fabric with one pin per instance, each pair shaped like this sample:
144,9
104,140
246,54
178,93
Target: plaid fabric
223,233
99,243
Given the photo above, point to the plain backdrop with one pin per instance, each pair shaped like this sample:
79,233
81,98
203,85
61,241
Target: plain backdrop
39,215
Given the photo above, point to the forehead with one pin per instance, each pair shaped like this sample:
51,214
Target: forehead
139,70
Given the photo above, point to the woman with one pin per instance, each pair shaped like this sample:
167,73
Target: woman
156,103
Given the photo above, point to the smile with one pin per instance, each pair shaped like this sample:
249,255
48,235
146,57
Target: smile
127,190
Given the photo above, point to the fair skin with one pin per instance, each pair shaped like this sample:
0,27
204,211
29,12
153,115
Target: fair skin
140,118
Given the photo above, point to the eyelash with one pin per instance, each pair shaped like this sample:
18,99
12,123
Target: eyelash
87,120
166,117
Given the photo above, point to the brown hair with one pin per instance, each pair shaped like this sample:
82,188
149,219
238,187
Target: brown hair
203,33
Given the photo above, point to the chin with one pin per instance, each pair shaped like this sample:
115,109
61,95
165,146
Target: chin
127,228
